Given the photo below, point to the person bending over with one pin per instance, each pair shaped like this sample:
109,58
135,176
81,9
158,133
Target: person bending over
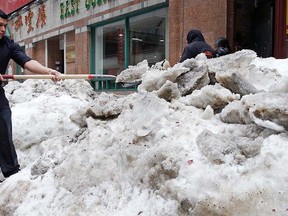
196,45
222,46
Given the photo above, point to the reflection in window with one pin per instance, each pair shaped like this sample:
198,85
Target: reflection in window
110,49
147,37
147,34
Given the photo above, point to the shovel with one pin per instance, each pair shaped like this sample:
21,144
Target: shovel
61,76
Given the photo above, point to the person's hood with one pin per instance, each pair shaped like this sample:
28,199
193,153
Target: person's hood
194,35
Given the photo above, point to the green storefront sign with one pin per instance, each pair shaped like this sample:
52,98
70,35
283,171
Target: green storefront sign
71,7
93,3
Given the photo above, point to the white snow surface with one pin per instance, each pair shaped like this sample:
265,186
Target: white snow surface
145,160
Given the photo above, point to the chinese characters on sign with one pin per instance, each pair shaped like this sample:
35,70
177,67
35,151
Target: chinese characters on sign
67,9
41,19
41,16
28,21
18,23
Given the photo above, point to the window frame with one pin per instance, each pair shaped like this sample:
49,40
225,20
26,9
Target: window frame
126,19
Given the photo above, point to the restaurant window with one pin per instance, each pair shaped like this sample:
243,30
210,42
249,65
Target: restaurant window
110,48
146,39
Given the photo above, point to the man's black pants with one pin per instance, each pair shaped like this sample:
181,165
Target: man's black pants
8,157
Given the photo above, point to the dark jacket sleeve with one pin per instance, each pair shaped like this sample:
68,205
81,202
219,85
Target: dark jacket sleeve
18,54
185,54
221,51
190,51
195,48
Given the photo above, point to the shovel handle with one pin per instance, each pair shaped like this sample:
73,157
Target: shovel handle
61,76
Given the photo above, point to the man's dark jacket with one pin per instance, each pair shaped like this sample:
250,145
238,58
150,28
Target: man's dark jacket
196,45
11,50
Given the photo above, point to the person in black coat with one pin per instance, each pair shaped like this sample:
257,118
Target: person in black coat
222,46
196,45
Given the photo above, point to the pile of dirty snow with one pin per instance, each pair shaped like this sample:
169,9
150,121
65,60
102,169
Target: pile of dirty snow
203,137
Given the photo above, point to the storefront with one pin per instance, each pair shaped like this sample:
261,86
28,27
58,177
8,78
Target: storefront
106,36
101,37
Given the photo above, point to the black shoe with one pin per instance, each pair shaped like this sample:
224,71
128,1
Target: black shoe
8,174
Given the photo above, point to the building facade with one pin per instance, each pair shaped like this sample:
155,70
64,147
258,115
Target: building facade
106,36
